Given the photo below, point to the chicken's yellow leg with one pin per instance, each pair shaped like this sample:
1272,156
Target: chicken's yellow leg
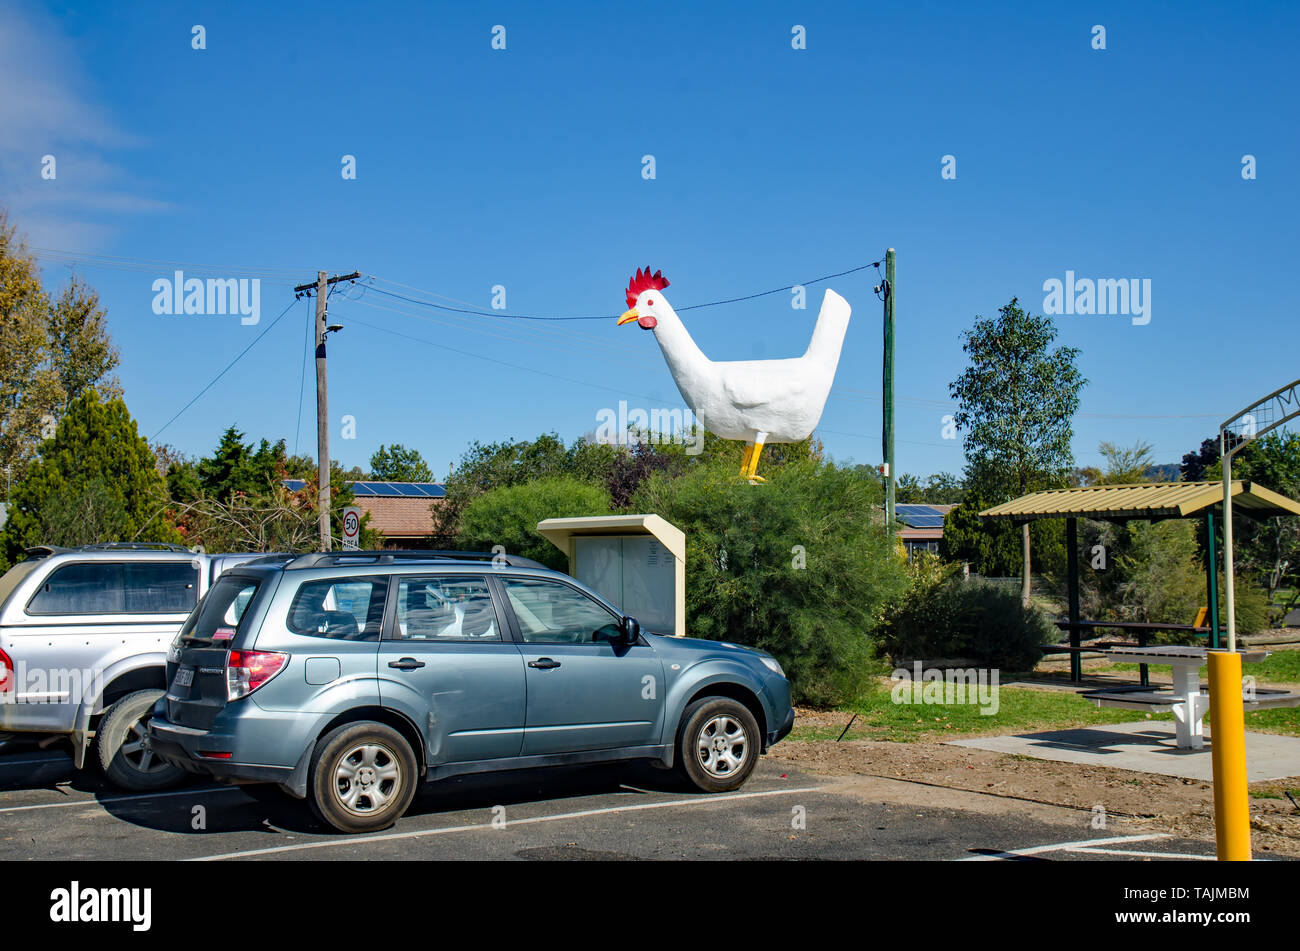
744,460
753,460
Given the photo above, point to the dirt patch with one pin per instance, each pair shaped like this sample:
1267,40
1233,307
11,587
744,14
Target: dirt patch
1183,807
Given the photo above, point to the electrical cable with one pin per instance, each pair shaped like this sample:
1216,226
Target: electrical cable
256,340
716,303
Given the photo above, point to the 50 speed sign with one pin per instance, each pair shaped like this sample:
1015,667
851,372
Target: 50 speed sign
351,527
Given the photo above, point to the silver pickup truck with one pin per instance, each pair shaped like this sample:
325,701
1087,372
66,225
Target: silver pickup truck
84,634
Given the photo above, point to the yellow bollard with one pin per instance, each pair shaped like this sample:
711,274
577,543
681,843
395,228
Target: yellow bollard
1228,756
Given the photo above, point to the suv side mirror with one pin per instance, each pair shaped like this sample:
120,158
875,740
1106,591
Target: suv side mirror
631,630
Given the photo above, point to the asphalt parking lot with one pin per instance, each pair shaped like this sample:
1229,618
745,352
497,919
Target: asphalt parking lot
48,811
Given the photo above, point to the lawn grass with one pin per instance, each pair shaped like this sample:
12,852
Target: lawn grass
1280,667
1020,709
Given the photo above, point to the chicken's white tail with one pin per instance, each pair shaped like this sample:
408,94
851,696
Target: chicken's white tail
828,335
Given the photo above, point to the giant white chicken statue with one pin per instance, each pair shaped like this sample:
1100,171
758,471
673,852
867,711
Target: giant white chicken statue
758,401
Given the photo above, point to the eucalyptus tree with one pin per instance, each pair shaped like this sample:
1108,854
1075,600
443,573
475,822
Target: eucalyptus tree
1016,404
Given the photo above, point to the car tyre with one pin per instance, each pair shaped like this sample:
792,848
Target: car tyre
363,777
718,744
124,749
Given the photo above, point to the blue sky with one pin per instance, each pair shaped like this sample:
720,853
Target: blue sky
523,168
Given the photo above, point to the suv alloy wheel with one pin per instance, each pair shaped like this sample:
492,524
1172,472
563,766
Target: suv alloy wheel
125,752
363,777
718,744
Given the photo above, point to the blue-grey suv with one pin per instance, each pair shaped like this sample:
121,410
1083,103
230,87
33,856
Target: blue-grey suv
349,678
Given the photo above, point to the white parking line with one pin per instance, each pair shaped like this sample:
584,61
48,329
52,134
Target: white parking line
420,833
203,790
1153,855
1064,847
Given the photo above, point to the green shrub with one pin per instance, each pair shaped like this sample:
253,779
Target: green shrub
509,516
1250,599
799,566
946,617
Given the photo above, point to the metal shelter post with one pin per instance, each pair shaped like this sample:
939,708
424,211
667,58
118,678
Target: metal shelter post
1072,561
1212,578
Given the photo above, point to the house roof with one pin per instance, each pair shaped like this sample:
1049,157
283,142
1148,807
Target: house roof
916,515
920,534
1155,500
384,490
398,517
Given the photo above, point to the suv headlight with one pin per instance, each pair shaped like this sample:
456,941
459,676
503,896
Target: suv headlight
771,664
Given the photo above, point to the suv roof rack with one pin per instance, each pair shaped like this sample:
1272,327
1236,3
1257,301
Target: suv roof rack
37,552
272,558
321,559
133,546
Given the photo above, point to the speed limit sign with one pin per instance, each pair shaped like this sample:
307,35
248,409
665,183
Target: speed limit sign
351,527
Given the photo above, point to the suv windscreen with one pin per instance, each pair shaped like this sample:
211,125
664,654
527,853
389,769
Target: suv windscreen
218,617
99,587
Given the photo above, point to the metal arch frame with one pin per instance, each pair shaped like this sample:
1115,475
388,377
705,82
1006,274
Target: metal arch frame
1291,398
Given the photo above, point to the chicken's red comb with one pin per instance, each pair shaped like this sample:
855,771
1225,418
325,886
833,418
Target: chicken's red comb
644,281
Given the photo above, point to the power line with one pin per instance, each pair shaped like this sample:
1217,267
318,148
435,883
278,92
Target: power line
716,303
563,344
778,290
268,329
480,313
513,366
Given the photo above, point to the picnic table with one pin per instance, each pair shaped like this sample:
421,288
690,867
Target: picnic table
1186,700
1140,628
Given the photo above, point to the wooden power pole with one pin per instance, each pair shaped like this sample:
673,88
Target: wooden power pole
321,288
887,383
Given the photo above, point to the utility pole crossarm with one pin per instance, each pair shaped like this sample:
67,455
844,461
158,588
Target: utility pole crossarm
322,283
315,285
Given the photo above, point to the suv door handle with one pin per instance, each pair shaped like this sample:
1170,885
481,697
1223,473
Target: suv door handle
544,663
406,663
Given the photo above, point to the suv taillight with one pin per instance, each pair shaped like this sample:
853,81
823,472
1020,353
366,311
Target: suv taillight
248,670
6,673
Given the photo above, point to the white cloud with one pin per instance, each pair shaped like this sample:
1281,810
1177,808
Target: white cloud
49,108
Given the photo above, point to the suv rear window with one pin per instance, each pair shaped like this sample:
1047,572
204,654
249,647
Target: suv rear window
98,587
348,609
218,618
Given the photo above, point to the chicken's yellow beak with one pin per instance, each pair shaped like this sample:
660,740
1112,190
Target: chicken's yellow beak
628,315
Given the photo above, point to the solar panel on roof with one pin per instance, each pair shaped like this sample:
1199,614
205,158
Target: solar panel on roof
920,516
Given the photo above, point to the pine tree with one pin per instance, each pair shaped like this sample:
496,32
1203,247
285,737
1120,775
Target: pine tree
95,480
